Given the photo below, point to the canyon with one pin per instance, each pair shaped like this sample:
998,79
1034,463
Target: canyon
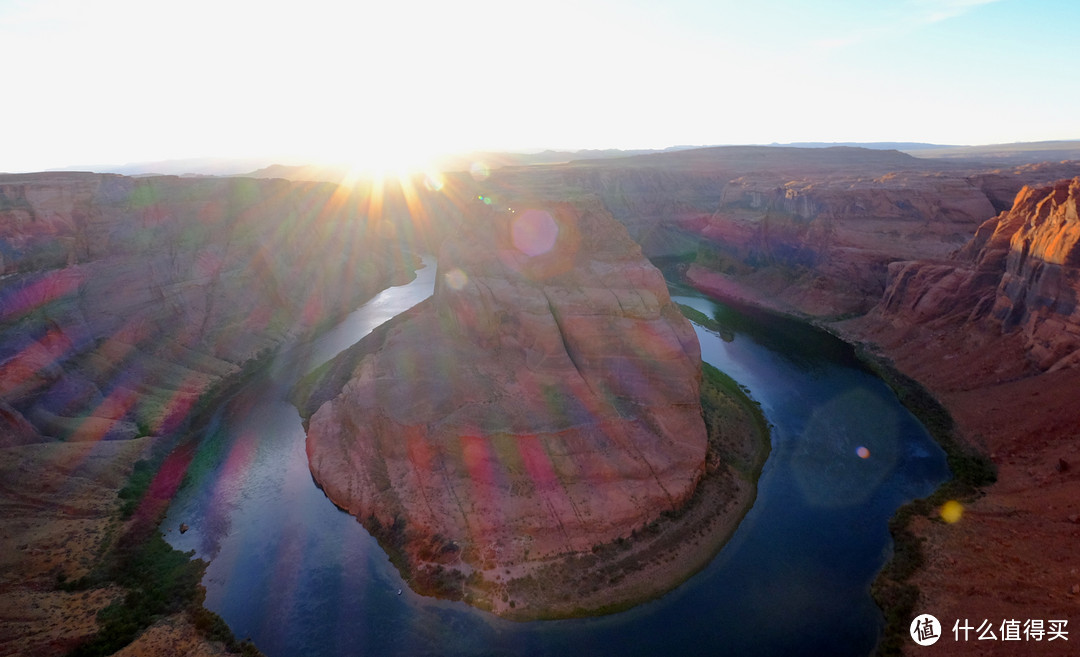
993,333
125,300
961,274
129,304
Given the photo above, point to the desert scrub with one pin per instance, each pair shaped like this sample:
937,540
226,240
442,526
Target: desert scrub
158,580
133,491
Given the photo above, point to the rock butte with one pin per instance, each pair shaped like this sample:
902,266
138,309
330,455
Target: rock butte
539,406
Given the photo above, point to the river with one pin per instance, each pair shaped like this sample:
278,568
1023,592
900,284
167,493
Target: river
299,577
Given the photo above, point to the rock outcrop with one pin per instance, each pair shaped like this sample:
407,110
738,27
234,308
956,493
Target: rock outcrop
1020,273
992,333
125,300
545,402
124,303
1040,289
812,230
822,246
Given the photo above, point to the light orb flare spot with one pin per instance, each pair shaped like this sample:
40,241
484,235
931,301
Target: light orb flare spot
534,232
479,171
433,182
952,511
862,452
456,278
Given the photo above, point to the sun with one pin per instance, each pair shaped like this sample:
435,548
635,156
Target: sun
380,156
391,161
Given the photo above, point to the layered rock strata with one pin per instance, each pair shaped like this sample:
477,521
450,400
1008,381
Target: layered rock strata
123,303
125,300
812,230
544,403
993,333
1020,273
822,246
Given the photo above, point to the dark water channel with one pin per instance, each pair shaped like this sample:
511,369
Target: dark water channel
299,577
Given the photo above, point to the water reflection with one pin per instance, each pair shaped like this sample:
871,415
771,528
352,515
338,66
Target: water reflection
830,469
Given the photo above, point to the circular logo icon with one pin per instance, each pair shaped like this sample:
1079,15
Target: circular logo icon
925,630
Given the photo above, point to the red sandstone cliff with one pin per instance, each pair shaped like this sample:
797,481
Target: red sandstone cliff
811,230
1020,273
545,402
123,300
993,333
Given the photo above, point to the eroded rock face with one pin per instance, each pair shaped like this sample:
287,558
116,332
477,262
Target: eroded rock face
1021,272
1040,288
992,335
124,300
811,230
546,401
832,238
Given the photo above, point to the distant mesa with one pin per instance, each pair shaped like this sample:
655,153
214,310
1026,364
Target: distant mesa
267,167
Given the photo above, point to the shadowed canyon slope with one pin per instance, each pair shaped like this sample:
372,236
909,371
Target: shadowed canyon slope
993,333
125,299
124,304
544,403
811,230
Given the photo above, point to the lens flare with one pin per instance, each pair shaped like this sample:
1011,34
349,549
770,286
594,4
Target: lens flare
863,452
456,278
534,232
479,171
433,182
952,511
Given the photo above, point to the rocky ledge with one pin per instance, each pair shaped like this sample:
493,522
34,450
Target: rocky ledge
1019,274
541,408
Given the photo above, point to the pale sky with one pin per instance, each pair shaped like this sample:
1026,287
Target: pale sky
119,81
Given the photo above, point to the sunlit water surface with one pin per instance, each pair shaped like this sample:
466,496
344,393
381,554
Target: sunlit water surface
300,577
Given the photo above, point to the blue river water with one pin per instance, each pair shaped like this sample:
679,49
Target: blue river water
299,577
